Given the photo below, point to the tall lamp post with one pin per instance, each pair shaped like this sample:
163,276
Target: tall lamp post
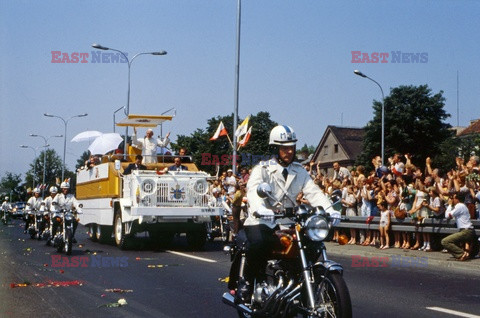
129,62
357,72
34,165
114,121
44,157
65,122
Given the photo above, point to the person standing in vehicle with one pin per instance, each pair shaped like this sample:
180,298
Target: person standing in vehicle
67,201
33,203
287,179
149,145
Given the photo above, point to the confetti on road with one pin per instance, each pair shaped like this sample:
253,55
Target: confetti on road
119,303
161,265
146,258
118,290
225,280
13,285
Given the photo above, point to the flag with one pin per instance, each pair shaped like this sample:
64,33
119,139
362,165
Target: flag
242,129
221,131
246,138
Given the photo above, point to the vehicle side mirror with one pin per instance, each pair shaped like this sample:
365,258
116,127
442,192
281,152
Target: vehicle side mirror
80,205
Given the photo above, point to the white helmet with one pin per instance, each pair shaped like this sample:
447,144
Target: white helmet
6,198
65,185
283,135
36,190
53,189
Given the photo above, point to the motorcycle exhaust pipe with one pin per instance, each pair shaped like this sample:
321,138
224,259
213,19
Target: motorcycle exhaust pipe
229,299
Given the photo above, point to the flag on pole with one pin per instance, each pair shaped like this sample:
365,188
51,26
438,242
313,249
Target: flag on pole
246,138
221,131
242,128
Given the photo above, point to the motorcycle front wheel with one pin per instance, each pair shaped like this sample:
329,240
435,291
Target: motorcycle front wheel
332,298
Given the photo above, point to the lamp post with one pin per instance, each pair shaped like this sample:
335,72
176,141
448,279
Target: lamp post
65,122
34,165
129,62
357,72
44,157
114,122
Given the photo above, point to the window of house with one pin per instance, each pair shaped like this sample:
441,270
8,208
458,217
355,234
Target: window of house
335,149
325,150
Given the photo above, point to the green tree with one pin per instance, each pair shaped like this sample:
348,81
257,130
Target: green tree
10,185
81,161
53,168
414,123
199,143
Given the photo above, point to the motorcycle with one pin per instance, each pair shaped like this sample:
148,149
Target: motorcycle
62,240
38,220
300,279
221,226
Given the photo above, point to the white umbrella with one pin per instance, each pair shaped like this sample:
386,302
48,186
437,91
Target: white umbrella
105,143
88,135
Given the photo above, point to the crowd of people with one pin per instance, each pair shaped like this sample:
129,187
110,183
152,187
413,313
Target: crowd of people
402,190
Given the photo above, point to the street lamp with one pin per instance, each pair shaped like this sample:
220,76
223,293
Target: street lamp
357,72
114,121
65,122
44,157
127,110
34,164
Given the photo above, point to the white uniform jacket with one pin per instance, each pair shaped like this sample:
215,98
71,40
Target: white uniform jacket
66,202
48,202
284,191
149,147
34,203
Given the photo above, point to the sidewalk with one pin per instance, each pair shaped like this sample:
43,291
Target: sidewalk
435,259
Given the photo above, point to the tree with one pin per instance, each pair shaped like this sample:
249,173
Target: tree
53,168
414,123
81,161
10,185
205,152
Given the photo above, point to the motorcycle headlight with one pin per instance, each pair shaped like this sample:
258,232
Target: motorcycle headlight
68,217
317,228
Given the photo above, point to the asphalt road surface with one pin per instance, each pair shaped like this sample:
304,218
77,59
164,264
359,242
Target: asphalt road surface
182,283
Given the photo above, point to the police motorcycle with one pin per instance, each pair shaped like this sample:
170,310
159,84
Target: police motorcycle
221,225
39,219
62,240
300,279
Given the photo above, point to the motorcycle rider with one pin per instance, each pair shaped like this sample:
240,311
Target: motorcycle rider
66,201
34,203
48,205
5,207
287,179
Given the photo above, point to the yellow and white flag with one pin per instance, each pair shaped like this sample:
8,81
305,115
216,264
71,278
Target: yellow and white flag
242,128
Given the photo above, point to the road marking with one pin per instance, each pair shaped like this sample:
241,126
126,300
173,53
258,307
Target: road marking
453,312
191,256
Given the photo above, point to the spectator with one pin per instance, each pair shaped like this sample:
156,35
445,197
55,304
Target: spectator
466,234
340,173
419,212
385,215
244,175
229,182
236,203
351,210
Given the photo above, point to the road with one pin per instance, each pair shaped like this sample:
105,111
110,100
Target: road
182,283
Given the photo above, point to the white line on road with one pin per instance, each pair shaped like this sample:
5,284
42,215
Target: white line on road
453,312
191,256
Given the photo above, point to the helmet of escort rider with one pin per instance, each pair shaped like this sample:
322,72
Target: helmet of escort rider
283,135
65,185
36,190
53,189
6,198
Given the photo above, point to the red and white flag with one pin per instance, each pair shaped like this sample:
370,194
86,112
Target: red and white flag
246,138
221,131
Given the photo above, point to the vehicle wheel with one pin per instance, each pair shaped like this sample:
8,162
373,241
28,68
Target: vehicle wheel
196,239
68,246
120,238
60,247
103,233
333,295
92,232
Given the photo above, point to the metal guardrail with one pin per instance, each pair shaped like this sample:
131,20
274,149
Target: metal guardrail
440,226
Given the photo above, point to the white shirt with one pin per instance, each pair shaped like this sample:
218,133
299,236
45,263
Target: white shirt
34,203
66,202
149,147
284,191
461,214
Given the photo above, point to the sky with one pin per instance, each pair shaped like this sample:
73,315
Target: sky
296,62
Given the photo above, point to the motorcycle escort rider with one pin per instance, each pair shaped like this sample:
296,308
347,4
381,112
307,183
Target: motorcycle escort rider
5,207
66,201
287,179
34,203
48,205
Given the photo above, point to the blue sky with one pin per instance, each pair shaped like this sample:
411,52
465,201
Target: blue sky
296,63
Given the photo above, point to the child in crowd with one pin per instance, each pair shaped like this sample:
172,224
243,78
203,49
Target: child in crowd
385,215
351,210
